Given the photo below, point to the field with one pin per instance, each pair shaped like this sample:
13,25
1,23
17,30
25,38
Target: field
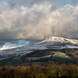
51,71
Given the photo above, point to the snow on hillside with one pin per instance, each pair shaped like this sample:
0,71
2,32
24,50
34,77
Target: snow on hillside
60,39
16,44
50,43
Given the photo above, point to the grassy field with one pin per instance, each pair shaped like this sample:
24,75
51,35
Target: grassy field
51,71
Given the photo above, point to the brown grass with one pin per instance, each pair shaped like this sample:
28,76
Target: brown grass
50,71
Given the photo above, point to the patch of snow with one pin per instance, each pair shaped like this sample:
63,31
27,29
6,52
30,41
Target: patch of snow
59,39
18,43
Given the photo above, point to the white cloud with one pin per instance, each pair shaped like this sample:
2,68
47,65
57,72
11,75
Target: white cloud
38,21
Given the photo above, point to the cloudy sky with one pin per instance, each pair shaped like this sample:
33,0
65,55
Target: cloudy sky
38,19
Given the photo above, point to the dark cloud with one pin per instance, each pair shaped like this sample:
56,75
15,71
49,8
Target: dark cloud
7,35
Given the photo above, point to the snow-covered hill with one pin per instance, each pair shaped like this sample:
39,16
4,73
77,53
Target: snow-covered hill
40,49
60,39
49,43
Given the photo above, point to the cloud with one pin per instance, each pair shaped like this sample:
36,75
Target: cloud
38,21
75,2
29,3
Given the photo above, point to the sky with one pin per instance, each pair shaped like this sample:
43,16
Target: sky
38,19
